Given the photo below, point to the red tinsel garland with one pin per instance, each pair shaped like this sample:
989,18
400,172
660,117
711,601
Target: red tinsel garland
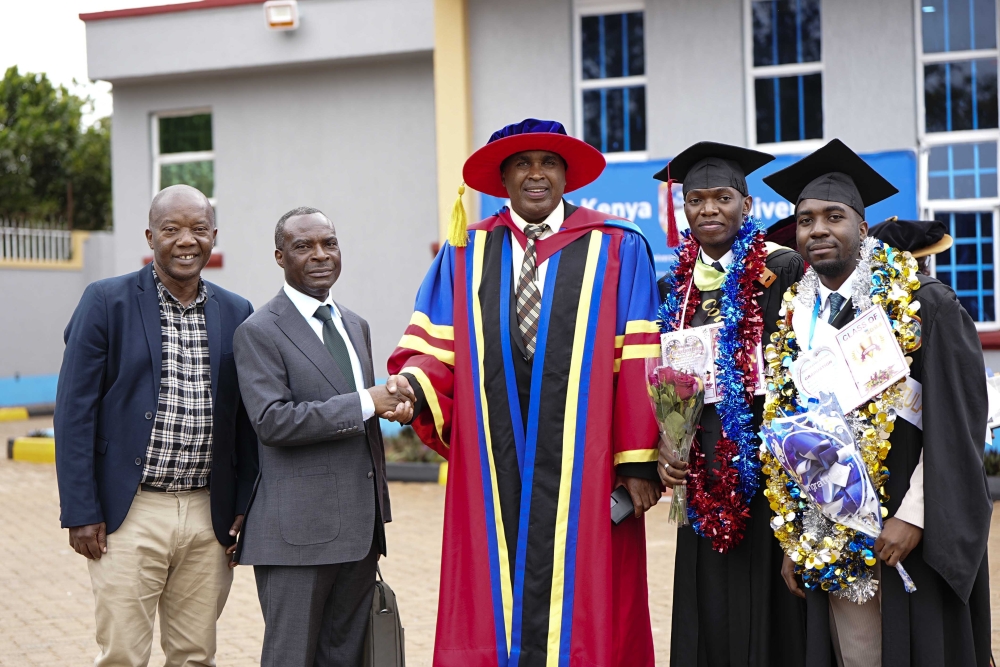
718,504
686,259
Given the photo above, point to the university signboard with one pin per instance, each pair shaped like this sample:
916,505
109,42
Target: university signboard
627,190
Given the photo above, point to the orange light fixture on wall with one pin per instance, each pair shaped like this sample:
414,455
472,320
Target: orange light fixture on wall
281,14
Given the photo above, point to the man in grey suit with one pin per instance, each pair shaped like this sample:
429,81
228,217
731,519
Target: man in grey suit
314,526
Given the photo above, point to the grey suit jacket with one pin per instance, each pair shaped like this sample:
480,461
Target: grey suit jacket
314,502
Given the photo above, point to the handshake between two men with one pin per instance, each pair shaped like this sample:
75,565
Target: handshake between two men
394,400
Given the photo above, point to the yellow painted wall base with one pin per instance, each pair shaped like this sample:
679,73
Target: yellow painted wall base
13,414
443,474
35,450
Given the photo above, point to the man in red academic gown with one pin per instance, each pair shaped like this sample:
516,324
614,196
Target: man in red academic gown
527,351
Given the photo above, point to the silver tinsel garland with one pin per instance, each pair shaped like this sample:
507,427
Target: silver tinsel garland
861,298
861,591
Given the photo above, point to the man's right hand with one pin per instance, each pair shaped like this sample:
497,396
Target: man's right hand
392,402
90,541
792,581
672,470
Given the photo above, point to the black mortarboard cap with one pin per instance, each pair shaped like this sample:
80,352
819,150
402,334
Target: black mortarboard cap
919,237
708,164
832,173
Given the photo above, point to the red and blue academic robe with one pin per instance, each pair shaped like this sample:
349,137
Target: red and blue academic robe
532,571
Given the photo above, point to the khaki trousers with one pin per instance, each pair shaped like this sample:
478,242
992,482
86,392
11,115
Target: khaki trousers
164,555
856,629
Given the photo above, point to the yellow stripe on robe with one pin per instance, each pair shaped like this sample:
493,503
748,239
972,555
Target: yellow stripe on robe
569,451
636,456
641,351
506,589
418,344
430,395
637,327
442,331
641,326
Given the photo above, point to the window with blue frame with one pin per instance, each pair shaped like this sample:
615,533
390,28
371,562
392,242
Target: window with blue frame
968,265
958,25
960,84
787,70
961,95
961,137
962,171
613,81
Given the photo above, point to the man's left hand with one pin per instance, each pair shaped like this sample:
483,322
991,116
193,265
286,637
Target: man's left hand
645,493
234,531
897,541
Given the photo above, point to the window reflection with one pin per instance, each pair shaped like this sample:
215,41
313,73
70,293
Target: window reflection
786,31
789,108
958,25
961,95
968,265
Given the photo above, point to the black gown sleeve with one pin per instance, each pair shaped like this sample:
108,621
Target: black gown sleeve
418,391
644,470
957,505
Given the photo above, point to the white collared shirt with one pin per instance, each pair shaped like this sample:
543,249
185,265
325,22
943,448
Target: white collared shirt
725,260
554,221
307,305
846,290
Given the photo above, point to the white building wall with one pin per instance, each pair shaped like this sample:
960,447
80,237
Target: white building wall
869,77
694,73
521,61
355,140
237,38
37,305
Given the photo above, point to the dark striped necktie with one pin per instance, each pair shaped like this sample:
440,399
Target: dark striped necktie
836,303
529,297
336,345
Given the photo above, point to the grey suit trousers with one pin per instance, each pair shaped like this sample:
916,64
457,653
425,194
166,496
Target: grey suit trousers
316,615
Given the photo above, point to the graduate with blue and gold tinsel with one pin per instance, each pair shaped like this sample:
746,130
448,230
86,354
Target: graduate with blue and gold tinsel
730,607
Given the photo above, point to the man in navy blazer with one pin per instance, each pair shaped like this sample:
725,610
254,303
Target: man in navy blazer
155,456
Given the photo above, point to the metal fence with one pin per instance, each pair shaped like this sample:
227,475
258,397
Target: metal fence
33,241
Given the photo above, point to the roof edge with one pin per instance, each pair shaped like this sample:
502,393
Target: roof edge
166,9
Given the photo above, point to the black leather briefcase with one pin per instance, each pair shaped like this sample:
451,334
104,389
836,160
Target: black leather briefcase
384,640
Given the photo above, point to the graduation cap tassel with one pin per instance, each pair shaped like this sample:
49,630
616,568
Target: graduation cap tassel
458,237
673,236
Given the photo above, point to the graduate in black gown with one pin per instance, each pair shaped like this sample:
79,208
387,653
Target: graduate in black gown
729,609
939,506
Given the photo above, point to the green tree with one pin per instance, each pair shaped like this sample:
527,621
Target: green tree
89,177
51,166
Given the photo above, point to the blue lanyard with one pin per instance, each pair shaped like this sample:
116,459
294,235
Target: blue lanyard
812,326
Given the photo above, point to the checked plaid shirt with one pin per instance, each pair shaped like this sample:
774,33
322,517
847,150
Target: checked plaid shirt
179,453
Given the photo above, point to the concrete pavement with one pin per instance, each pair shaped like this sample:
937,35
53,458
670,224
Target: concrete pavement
47,608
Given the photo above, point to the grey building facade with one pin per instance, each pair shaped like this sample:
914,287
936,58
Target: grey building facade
345,114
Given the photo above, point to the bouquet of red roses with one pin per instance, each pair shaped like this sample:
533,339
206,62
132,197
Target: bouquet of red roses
677,398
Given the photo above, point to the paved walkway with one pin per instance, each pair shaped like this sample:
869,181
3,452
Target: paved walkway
47,609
